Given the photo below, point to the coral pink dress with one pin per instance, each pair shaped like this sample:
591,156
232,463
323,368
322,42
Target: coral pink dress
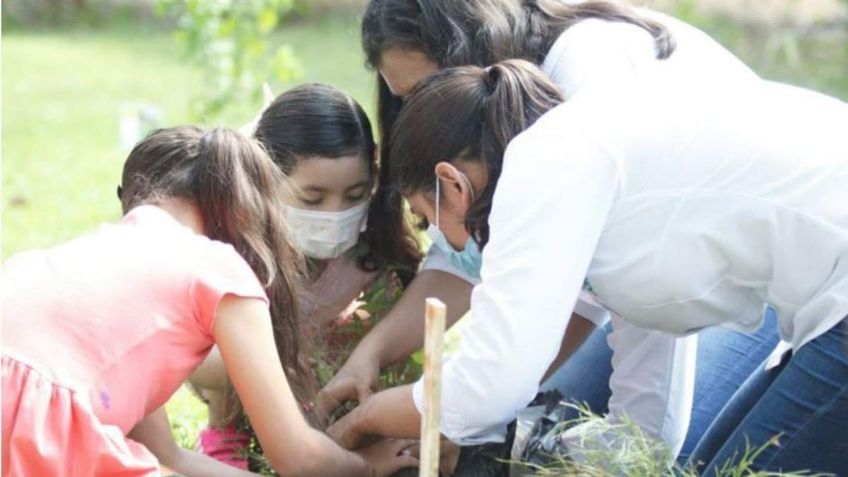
99,332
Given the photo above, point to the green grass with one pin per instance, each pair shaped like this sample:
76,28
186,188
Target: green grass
627,452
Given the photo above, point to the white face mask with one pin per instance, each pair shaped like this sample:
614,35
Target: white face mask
325,235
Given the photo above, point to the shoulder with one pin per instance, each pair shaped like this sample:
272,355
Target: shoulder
595,49
565,132
210,267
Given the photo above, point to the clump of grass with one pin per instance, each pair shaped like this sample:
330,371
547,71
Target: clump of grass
620,448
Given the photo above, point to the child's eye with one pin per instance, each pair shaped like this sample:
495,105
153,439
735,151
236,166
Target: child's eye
309,202
356,197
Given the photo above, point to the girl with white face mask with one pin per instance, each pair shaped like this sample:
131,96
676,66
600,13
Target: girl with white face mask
348,229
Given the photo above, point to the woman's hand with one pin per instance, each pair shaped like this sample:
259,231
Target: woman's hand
356,381
388,456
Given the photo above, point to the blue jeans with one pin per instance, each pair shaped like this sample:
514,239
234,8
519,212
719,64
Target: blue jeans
804,400
584,377
725,359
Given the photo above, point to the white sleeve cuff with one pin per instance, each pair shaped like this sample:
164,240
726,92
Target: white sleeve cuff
452,427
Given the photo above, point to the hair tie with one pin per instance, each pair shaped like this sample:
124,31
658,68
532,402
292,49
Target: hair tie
489,78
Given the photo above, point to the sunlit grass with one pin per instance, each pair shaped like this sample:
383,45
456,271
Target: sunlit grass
606,448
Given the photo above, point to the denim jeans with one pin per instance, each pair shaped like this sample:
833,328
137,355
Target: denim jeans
580,386
725,360
804,400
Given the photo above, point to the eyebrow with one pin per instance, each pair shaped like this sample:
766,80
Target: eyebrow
357,186
314,188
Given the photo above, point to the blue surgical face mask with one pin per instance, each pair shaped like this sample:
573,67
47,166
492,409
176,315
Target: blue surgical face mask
469,260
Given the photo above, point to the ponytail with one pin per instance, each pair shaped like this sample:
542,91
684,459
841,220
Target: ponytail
468,114
238,191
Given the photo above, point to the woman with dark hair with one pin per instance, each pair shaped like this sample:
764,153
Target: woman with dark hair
99,332
350,231
739,193
581,47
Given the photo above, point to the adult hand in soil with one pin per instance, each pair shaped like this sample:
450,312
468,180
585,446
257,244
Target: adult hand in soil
356,381
388,456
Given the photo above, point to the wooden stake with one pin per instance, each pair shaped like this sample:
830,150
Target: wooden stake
434,331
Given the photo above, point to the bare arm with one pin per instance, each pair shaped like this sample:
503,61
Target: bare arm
244,336
211,374
154,432
399,334
576,332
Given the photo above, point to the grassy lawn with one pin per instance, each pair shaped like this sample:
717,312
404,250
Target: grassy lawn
62,92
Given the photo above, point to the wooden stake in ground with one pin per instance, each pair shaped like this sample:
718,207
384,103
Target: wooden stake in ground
434,331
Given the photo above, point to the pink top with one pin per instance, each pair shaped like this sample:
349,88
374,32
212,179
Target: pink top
114,321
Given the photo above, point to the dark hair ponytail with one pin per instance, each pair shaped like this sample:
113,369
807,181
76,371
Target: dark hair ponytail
316,120
468,114
238,191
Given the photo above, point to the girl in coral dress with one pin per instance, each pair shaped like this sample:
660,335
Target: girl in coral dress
99,332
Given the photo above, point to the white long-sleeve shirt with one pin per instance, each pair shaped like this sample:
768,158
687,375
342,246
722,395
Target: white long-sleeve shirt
686,193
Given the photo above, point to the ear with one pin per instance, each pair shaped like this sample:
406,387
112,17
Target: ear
376,159
376,168
456,187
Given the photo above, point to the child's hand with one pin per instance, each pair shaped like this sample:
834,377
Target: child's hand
346,431
357,380
388,456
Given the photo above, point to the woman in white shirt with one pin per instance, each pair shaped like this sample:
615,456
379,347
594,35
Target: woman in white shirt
686,206
406,40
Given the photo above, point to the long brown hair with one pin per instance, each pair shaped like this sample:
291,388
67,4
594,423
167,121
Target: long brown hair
316,120
468,113
239,192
